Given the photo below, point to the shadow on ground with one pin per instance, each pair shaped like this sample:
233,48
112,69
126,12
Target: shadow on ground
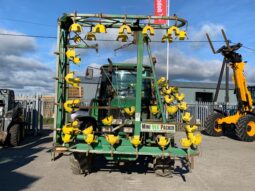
140,166
13,158
228,132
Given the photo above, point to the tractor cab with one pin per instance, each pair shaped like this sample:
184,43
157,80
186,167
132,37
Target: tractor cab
119,81
7,101
117,89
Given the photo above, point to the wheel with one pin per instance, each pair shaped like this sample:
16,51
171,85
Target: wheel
164,167
80,163
86,122
245,128
75,165
211,127
14,135
22,132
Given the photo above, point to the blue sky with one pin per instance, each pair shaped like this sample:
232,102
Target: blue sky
236,17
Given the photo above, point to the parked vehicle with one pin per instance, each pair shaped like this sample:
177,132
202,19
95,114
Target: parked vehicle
12,129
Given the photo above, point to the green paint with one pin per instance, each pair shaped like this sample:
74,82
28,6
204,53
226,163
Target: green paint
123,102
62,70
139,71
156,89
130,150
94,111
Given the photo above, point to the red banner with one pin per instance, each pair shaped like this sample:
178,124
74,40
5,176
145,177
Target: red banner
160,7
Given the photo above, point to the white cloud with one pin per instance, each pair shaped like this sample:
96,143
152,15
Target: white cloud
199,34
214,31
182,67
15,45
20,69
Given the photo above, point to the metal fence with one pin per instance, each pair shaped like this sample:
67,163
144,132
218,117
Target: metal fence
32,113
200,112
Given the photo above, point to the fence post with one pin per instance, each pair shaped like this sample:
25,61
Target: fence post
25,113
29,118
35,115
196,111
41,113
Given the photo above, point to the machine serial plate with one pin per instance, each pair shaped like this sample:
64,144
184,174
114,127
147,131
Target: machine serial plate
157,128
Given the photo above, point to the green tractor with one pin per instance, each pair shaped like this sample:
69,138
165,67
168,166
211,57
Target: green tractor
11,124
132,114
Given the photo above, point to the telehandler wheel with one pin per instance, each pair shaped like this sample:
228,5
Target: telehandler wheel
80,163
211,127
245,128
14,135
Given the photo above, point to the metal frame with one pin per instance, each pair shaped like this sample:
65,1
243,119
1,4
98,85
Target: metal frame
62,68
115,21
225,66
112,21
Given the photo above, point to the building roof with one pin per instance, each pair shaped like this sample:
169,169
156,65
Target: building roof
201,85
180,84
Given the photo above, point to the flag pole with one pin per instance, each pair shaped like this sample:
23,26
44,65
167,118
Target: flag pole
167,45
167,50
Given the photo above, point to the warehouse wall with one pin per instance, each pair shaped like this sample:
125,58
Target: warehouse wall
189,88
190,95
89,91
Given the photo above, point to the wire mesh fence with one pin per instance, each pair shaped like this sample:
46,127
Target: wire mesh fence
200,112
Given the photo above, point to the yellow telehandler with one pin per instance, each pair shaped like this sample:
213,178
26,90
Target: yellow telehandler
244,118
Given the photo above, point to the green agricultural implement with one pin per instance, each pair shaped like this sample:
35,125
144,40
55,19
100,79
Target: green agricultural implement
133,113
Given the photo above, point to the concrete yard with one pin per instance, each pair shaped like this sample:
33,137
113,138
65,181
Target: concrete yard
224,164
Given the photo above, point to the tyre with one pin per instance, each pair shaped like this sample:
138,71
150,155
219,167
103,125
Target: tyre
245,128
211,127
22,132
86,122
14,135
80,163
